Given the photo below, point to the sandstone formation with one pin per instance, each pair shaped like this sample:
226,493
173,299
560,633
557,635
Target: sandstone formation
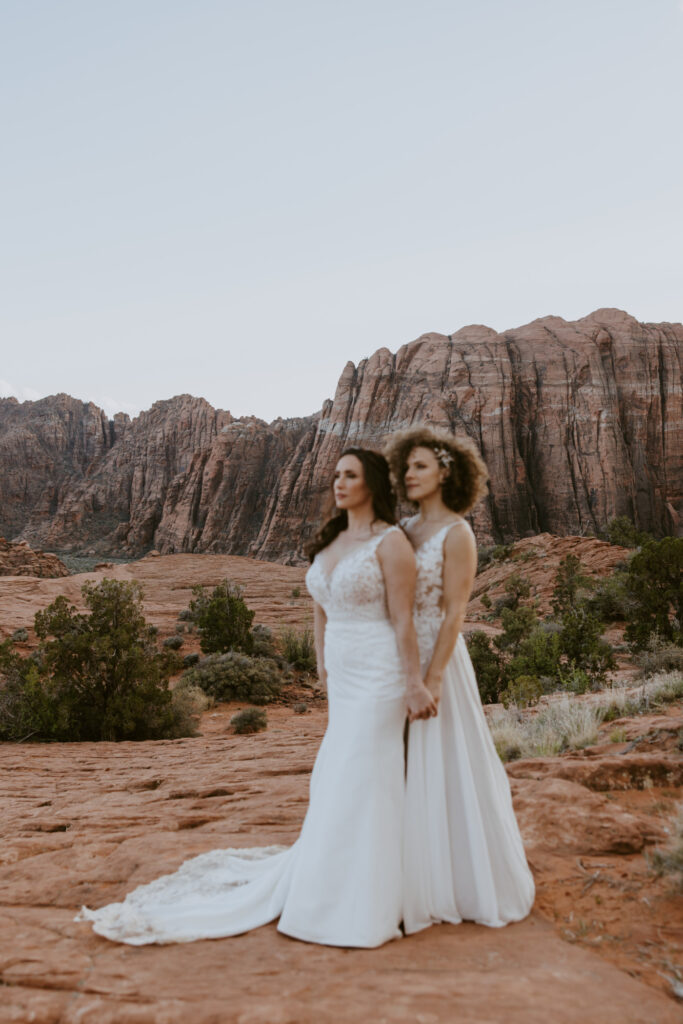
20,560
577,421
87,822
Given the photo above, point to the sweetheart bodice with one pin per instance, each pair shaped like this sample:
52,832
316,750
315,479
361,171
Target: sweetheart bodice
354,589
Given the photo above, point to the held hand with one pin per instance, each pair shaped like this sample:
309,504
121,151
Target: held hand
421,703
434,684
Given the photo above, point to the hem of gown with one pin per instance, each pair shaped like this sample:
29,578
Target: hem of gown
414,929
341,943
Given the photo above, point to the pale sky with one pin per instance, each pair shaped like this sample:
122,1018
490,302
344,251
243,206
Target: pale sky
232,199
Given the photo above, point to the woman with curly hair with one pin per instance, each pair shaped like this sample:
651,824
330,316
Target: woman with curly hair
463,853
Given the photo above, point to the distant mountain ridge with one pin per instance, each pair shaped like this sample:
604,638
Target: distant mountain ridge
578,421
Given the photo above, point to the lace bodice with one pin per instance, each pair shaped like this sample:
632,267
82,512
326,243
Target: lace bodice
429,586
354,589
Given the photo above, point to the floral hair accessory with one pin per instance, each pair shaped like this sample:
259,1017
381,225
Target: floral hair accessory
443,457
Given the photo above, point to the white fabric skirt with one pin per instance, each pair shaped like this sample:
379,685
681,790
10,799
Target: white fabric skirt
341,883
463,853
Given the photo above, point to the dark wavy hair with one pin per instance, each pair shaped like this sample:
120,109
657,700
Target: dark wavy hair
466,482
377,478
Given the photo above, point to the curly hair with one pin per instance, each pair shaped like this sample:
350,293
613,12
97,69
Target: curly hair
466,482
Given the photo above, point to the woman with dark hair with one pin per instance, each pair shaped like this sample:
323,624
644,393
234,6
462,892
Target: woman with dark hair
463,853
341,883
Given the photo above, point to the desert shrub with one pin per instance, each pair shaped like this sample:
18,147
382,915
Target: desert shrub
300,708
185,615
298,648
263,643
190,659
537,654
610,601
621,531
569,582
296,592
189,703
582,643
659,656
517,624
566,724
173,642
236,676
573,679
654,582
487,555
669,858
222,618
486,601
487,665
94,676
249,720
522,691
20,636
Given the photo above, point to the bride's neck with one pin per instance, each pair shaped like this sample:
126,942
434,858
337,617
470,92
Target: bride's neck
360,520
432,508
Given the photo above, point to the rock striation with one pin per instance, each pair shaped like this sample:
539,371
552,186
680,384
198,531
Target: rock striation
578,422
20,560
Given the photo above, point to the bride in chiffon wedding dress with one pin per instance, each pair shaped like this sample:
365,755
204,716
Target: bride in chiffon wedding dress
341,883
463,852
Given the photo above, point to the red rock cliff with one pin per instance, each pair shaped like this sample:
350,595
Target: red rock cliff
578,422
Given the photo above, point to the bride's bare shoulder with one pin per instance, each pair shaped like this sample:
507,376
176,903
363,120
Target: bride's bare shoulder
395,545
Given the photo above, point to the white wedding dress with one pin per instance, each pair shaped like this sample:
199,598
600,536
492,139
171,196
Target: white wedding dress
463,853
341,882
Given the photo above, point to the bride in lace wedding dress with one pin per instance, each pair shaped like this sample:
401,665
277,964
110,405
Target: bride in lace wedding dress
463,853
341,883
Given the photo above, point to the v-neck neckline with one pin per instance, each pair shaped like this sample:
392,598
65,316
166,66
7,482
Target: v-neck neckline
435,534
329,576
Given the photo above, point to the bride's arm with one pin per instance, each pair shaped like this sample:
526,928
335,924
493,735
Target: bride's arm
319,620
397,559
459,570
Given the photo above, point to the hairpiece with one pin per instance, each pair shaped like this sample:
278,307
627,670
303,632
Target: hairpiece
443,457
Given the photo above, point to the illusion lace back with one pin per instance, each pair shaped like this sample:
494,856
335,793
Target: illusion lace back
341,882
463,853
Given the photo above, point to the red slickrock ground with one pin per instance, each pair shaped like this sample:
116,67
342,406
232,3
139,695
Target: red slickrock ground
88,822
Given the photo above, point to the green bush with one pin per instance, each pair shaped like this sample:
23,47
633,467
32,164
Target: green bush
493,553
95,676
298,648
174,643
249,720
20,636
654,583
538,654
659,656
610,600
190,659
582,643
487,665
522,692
621,531
235,676
570,581
486,601
263,643
517,624
222,618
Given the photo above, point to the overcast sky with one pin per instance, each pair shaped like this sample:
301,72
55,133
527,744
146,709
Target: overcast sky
232,198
